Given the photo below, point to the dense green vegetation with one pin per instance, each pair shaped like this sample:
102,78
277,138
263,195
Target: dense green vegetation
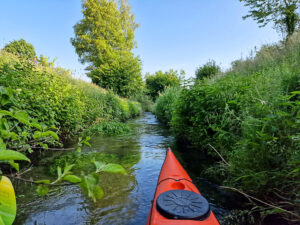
104,39
43,107
21,49
156,83
164,106
250,116
208,69
51,100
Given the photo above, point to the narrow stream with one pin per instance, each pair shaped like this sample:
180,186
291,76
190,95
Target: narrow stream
127,198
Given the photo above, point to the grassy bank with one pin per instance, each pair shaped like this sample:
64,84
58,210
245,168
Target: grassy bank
43,106
250,115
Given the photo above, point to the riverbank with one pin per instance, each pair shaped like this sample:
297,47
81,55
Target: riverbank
247,119
43,107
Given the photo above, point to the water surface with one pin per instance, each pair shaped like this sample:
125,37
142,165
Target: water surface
127,198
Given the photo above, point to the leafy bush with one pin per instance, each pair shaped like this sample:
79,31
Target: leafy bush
250,115
21,48
164,106
52,101
159,81
207,70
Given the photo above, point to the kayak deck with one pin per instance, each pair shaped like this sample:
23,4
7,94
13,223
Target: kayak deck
177,200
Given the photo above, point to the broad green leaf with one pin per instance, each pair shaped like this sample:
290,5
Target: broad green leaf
86,143
72,178
37,126
39,135
22,117
98,165
68,168
7,134
1,221
12,155
90,185
14,165
42,181
42,190
113,168
6,113
8,206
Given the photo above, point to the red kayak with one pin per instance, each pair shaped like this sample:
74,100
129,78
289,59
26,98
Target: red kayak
177,201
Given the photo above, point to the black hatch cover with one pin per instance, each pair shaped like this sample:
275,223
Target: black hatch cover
182,204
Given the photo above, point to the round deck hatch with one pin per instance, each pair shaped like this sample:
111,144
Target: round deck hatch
182,204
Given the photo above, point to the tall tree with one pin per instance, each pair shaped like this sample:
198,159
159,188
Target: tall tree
157,82
283,13
21,48
104,40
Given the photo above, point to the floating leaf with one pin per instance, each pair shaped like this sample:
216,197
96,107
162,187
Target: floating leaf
42,190
72,178
12,155
8,206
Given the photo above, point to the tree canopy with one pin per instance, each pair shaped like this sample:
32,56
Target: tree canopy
283,13
21,48
207,70
157,82
104,39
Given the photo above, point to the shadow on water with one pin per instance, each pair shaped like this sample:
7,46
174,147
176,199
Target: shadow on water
127,198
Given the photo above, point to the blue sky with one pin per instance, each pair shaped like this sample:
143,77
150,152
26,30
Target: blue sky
178,34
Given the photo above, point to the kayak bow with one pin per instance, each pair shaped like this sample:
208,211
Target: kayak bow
177,200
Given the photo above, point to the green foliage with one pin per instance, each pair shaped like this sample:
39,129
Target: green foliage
145,101
207,70
42,190
282,13
157,83
109,128
8,209
251,116
12,155
164,106
110,168
90,185
104,39
43,107
21,48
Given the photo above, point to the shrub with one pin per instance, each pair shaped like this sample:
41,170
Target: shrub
251,116
207,70
164,106
159,81
21,48
50,98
